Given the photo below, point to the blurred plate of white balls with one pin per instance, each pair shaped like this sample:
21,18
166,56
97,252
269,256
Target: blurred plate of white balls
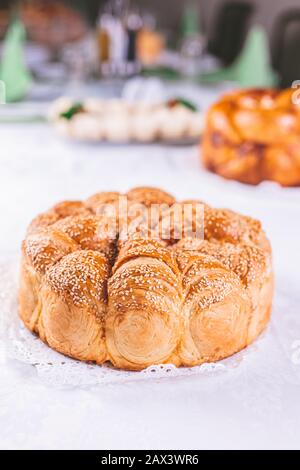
118,121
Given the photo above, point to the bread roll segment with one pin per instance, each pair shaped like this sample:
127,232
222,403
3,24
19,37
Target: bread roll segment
143,322
144,298
74,304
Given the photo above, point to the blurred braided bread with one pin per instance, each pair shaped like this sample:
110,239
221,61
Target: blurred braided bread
254,135
104,280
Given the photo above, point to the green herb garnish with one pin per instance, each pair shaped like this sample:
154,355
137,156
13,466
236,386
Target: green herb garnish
74,109
183,102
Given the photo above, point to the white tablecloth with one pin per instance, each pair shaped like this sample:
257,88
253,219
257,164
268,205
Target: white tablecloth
254,406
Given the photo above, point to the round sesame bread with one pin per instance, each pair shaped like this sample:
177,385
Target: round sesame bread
100,281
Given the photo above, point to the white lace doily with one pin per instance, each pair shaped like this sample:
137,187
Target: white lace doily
18,343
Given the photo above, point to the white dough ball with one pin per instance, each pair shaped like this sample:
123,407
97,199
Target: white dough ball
86,126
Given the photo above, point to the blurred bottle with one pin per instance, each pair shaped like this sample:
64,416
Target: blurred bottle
103,36
150,43
134,24
117,30
193,42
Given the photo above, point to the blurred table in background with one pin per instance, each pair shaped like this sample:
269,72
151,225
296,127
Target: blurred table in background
35,107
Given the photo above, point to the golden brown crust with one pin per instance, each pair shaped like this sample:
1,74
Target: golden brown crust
58,212
148,195
254,135
96,202
150,297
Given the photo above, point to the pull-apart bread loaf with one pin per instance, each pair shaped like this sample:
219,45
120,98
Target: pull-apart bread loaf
254,135
99,283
